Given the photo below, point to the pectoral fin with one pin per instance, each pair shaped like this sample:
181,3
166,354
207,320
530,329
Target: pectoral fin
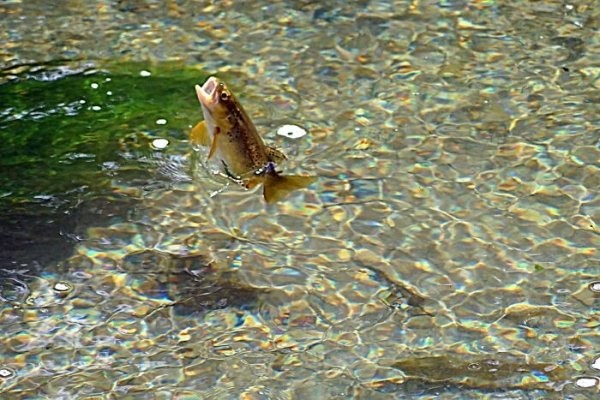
276,187
213,145
199,134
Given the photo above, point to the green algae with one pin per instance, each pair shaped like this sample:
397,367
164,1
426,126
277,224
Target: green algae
69,131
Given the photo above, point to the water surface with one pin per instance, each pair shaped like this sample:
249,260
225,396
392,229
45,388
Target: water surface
449,248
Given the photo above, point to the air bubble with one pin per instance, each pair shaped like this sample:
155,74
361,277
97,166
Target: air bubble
586,382
291,131
63,287
596,364
159,144
474,366
6,373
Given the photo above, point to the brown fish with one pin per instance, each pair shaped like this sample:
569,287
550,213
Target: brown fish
236,144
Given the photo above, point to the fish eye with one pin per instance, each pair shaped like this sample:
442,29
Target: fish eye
224,96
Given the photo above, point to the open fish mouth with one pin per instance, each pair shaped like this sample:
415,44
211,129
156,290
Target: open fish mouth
206,93
210,85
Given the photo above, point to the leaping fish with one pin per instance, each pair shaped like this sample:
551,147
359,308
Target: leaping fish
235,143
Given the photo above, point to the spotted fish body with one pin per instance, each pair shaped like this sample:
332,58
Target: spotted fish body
235,143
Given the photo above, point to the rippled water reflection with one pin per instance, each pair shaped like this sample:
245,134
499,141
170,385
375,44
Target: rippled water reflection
449,248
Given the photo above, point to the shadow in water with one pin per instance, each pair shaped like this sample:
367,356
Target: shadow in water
193,284
37,235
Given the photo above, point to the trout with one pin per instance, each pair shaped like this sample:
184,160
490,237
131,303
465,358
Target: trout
234,143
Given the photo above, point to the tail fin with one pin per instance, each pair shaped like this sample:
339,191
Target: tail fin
276,187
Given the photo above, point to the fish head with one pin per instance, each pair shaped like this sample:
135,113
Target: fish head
216,100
